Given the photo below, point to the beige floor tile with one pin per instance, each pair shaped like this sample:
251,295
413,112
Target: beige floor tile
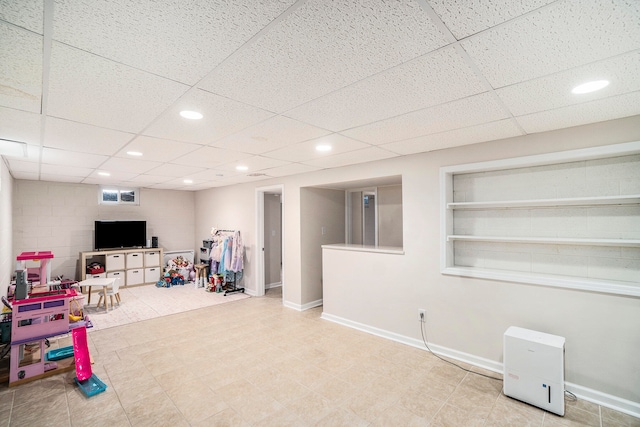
472,400
281,418
614,418
226,418
5,417
397,416
421,404
334,389
312,407
113,418
369,405
341,418
255,407
508,412
48,411
451,416
154,411
6,398
572,417
195,400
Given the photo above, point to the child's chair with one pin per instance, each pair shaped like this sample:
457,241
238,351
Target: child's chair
110,291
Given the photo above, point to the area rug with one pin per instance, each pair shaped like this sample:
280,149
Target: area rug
148,302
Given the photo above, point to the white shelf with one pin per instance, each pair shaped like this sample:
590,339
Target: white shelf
548,240
542,203
568,282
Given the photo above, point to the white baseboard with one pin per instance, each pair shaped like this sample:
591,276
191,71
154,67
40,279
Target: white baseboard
302,307
273,285
250,292
588,394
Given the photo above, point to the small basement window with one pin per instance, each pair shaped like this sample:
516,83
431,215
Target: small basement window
118,196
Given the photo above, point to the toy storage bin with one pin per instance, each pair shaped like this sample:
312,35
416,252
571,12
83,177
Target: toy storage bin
42,316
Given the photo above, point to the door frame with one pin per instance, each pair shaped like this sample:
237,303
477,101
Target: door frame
260,192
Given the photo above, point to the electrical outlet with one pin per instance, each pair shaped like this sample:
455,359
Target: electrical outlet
422,315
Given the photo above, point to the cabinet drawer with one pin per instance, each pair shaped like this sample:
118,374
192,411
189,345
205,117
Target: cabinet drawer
97,276
151,259
135,276
115,262
151,274
135,260
118,275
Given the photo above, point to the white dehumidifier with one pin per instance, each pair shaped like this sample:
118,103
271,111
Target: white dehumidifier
534,368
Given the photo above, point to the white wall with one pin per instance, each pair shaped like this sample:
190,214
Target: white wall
390,216
7,261
60,217
466,315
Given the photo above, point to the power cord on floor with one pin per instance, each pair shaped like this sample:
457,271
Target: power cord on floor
424,340
568,395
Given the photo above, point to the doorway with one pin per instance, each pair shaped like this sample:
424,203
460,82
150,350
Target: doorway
270,239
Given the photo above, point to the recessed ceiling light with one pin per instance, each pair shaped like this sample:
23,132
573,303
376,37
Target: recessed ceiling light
192,115
104,174
323,148
134,153
590,86
242,168
188,181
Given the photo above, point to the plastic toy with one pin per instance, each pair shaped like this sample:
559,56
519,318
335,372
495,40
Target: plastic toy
88,382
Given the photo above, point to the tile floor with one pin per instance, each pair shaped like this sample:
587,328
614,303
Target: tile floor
256,363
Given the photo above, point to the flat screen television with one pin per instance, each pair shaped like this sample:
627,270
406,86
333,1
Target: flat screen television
120,234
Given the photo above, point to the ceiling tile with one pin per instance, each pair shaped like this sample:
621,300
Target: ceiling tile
156,149
208,175
20,68
17,165
24,13
115,164
255,164
209,157
170,170
33,176
87,88
188,38
68,135
61,178
453,115
146,179
549,92
20,126
222,116
580,114
470,135
432,79
464,17
307,150
55,170
297,60
55,157
114,175
290,169
564,35
269,135
369,154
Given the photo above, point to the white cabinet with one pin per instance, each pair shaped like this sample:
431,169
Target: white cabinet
135,260
569,219
135,276
133,266
152,274
115,261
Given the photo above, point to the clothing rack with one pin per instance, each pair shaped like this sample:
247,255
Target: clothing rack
230,278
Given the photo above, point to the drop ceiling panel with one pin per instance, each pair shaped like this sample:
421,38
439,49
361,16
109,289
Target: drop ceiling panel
188,38
580,114
56,170
470,135
290,169
565,35
307,150
222,116
255,164
156,149
24,13
33,176
17,165
20,68
114,176
146,179
20,126
87,88
432,79
296,61
209,157
53,156
61,178
68,135
271,134
115,164
458,114
369,154
174,170
464,17
550,92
